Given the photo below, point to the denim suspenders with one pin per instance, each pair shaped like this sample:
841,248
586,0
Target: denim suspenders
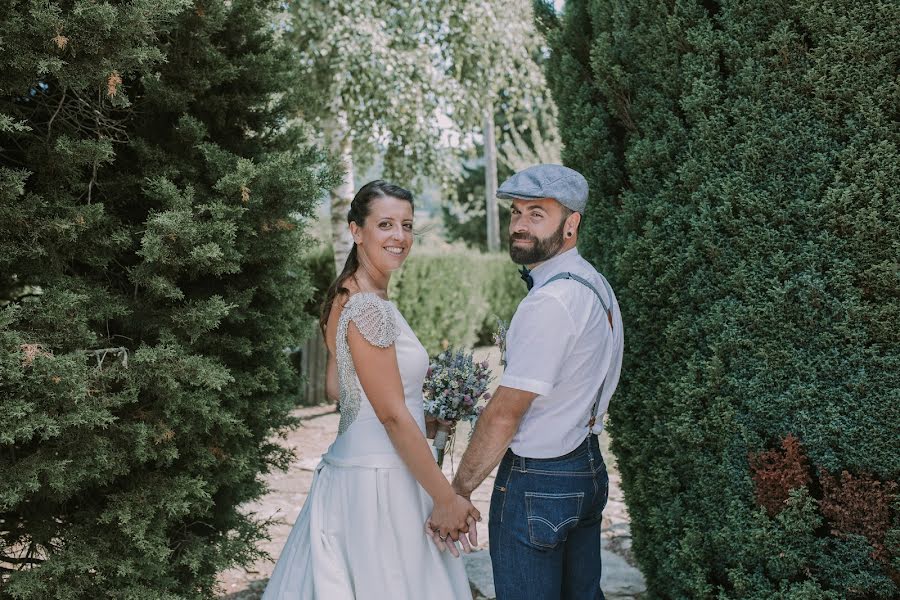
606,307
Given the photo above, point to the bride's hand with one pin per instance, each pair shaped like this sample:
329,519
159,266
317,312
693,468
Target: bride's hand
468,541
449,520
431,423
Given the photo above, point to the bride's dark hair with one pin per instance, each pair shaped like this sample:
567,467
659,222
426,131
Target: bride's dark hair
360,208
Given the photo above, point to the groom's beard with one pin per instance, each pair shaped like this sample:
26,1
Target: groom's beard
539,250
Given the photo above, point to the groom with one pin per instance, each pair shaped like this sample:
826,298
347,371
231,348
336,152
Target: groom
564,356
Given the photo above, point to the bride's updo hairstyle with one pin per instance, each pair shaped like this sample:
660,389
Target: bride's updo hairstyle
360,208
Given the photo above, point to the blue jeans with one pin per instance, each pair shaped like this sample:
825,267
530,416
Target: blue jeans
545,525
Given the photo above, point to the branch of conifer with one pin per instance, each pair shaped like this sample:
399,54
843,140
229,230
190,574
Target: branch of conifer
120,352
13,560
58,108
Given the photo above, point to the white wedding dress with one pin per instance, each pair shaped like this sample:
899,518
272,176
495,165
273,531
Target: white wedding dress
361,532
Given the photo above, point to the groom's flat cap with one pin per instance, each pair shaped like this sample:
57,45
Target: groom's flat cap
565,185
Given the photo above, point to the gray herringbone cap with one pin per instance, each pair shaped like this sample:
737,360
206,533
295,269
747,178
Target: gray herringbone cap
565,185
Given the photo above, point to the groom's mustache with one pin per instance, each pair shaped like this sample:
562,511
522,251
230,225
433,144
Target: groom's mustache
523,236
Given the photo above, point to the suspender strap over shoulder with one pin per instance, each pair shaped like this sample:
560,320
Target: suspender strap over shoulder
587,284
608,310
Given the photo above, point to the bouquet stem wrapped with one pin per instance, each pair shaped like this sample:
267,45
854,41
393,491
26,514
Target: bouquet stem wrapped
444,431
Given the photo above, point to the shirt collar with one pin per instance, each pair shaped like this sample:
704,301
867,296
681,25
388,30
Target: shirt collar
547,269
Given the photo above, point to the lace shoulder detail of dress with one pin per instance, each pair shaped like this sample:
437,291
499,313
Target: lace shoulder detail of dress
373,317
376,322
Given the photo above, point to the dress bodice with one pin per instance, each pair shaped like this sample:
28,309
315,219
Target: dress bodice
361,436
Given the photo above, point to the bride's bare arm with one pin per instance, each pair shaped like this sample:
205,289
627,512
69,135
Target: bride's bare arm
379,375
332,387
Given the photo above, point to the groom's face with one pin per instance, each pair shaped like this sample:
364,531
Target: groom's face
535,230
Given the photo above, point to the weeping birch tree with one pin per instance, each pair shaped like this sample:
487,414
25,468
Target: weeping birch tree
380,90
495,47
410,82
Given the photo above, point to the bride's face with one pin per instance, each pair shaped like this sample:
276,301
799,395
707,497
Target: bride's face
387,236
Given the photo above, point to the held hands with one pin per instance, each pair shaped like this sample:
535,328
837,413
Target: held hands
452,520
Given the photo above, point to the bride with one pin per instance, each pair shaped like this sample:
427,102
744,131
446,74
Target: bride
359,534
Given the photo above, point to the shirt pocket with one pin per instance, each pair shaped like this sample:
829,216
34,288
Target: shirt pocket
552,516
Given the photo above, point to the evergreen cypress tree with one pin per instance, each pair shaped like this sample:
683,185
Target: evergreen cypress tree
744,160
152,189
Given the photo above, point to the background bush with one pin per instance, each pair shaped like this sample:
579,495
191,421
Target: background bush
464,213
149,179
745,175
455,297
319,264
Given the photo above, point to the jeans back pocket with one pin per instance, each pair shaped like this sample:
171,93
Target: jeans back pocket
552,516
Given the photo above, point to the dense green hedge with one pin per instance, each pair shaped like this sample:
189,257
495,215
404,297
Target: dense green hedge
150,174
745,175
456,297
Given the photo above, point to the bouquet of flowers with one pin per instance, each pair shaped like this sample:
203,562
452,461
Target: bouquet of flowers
453,386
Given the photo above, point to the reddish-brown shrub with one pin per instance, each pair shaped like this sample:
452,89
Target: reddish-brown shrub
776,472
858,505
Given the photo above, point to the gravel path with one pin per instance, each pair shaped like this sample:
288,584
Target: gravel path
288,491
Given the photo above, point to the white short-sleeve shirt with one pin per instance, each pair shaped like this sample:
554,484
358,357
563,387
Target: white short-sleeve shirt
560,346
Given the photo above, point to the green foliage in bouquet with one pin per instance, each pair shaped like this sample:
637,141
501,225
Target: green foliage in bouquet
744,163
456,297
152,186
455,384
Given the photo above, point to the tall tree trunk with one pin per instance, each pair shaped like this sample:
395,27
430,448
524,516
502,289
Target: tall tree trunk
490,180
341,195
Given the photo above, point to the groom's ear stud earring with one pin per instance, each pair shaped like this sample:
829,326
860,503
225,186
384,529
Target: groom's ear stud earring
569,234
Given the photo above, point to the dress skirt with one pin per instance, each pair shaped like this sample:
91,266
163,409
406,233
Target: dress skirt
361,535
